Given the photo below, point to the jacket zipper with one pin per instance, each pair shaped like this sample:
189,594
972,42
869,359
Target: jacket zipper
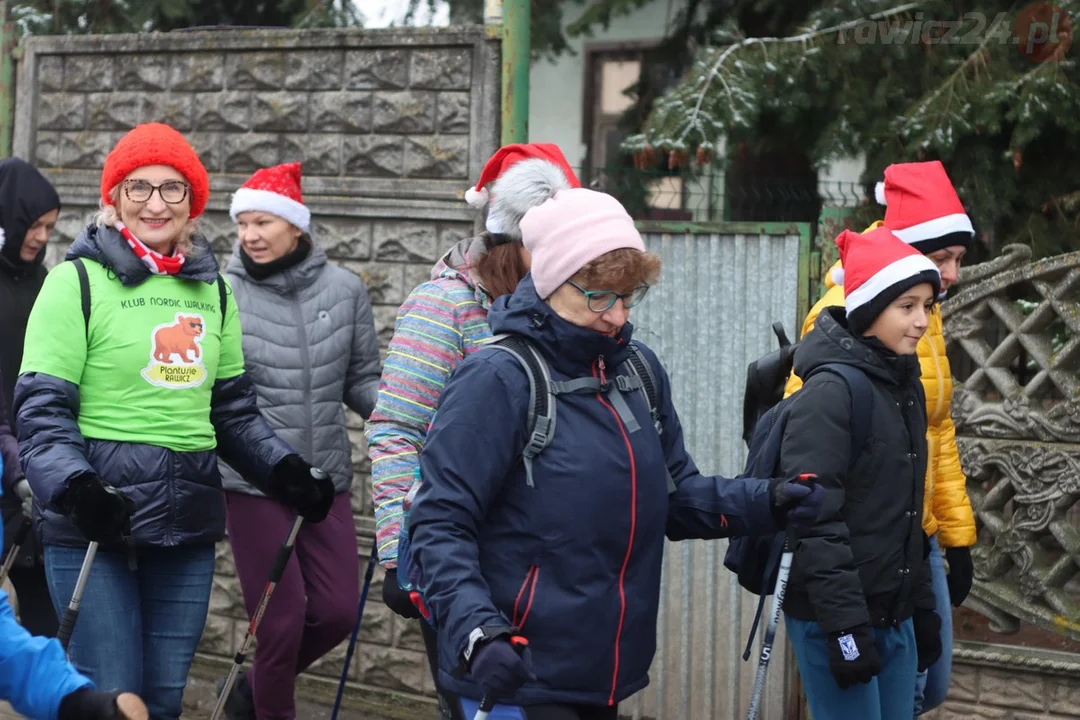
305,358
599,365
530,581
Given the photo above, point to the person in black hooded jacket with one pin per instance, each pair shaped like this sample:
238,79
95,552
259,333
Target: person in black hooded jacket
29,207
859,605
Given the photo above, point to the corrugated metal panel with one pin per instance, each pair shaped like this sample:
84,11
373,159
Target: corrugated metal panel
710,316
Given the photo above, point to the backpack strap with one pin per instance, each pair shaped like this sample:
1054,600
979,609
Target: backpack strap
862,403
540,420
640,368
223,297
84,291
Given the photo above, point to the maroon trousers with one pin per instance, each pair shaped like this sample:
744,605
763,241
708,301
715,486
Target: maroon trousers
313,608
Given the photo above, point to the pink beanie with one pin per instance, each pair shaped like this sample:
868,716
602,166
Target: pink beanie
573,228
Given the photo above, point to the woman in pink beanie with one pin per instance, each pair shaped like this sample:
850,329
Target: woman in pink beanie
542,576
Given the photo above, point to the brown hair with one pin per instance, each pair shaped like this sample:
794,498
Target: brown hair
620,270
501,268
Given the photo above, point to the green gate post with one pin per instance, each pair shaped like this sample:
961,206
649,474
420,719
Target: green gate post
516,48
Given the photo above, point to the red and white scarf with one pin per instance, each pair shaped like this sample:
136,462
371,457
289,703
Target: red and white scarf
159,264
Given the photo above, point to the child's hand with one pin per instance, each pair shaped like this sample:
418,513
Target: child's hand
853,656
927,637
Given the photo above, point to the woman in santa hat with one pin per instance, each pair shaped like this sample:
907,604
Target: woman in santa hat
441,322
309,346
859,607
923,209
132,386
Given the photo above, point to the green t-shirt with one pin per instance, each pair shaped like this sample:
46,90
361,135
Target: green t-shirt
154,350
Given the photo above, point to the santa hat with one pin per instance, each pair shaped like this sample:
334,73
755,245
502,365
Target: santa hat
521,176
922,207
878,268
274,190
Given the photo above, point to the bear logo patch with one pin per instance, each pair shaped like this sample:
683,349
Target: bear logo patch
176,354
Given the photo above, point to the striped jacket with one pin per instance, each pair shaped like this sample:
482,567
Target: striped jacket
441,322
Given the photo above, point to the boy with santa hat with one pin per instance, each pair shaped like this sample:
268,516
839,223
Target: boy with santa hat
924,211
860,607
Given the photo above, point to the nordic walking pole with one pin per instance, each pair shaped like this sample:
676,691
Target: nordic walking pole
282,559
774,620
16,545
356,628
71,612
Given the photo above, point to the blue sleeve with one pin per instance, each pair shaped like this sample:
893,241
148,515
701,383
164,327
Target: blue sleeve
51,446
475,441
705,506
34,673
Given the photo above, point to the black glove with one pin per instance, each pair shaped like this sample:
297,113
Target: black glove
961,573
100,512
397,599
501,669
796,502
853,656
302,487
927,637
86,704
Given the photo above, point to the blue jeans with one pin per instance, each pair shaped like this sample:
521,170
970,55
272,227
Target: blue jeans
932,685
888,696
136,631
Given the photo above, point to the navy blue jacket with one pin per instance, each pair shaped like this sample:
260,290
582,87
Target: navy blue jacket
574,562
177,495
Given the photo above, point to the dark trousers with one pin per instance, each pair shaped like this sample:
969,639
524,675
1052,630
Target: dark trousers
36,612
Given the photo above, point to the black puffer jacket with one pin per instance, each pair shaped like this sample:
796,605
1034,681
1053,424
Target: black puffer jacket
866,560
25,195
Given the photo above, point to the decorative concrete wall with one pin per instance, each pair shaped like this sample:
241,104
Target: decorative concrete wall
391,127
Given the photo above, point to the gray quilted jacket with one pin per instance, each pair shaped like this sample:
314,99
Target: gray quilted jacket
309,346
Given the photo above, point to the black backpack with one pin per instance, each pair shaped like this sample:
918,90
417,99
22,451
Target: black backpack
543,390
755,560
765,381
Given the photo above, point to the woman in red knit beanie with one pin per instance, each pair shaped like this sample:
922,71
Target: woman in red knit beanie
132,383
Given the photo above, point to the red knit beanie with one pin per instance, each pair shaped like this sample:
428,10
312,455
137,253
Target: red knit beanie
156,144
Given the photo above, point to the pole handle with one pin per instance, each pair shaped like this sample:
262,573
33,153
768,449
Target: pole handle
67,626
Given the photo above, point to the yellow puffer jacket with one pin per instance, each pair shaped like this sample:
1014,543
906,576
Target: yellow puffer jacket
946,508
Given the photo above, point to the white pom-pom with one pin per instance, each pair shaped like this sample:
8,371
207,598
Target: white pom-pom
477,198
2,238
879,193
837,275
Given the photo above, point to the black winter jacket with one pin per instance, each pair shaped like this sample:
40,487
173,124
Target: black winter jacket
25,195
866,560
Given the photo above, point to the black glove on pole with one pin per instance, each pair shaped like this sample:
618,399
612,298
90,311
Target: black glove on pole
306,489
397,599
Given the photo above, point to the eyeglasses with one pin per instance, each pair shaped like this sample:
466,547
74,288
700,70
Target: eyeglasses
603,300
173,192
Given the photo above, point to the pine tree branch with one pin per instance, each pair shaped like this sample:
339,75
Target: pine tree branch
714,71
